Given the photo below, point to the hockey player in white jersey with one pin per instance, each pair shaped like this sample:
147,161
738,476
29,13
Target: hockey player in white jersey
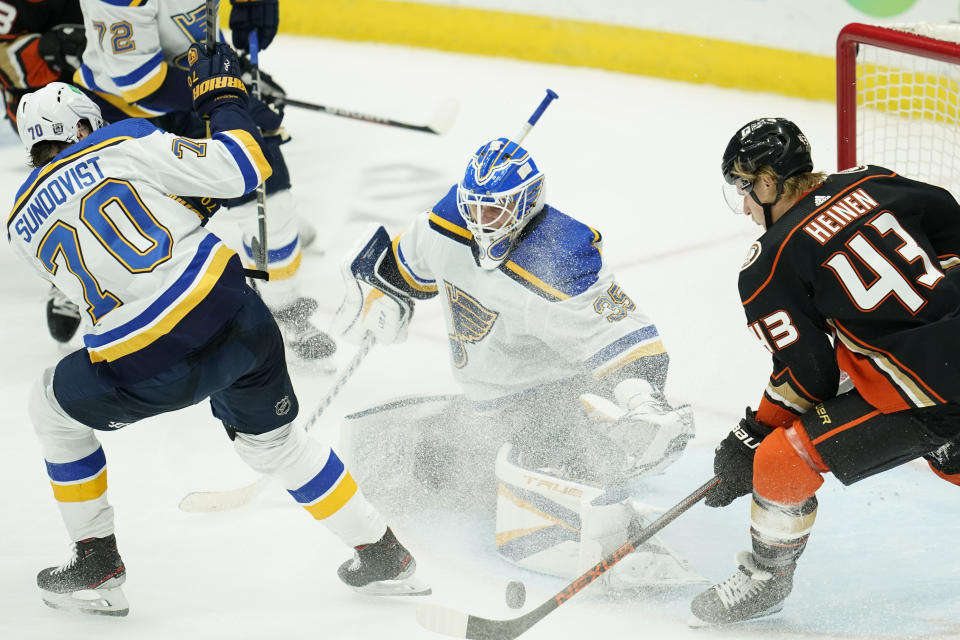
104,218
562,373
134,66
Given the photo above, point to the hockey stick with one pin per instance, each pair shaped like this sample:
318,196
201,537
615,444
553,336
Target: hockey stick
441,122
451,622
260,248
207,501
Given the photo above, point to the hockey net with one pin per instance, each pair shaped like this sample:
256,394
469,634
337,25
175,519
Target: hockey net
898,100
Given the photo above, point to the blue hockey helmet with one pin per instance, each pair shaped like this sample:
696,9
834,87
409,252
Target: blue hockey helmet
501,191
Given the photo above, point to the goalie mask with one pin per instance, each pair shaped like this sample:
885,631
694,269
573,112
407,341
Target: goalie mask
53,112
501,191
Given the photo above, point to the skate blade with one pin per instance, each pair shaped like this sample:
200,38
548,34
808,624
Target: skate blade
696,623
99,602
404,587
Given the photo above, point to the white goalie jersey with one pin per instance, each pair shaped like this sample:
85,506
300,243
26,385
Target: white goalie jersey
104,222
552,311
131,44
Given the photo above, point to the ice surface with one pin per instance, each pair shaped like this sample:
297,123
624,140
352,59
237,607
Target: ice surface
634,157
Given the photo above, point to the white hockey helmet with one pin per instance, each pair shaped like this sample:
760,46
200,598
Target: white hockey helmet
53,112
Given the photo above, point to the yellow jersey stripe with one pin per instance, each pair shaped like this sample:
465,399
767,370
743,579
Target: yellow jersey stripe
288,271
405,274
335,499
449,226
149,85
534,280
254,151
81,491
642,351
175,314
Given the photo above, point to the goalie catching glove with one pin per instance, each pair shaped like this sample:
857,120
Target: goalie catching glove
651,433
370,303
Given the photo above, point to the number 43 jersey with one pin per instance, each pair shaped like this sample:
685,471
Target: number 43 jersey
857,277
104,221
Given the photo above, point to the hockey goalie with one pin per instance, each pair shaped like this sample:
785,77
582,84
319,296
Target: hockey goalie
562,377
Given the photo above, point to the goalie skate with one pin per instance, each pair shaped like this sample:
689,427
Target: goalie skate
89,582
383,568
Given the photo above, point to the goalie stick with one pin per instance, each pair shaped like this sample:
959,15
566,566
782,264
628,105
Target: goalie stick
451,622
441,122
207,501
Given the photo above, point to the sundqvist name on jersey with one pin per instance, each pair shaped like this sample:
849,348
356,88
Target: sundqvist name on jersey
59,186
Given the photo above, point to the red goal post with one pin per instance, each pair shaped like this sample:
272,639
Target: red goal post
898,100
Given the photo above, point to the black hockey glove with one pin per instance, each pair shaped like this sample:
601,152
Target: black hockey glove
946,459
214,78
267,117
62,47
733,461
261,16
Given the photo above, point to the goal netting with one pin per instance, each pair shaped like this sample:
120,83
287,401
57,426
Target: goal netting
898,100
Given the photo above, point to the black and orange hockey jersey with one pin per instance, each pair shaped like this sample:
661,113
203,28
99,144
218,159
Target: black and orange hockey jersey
855,277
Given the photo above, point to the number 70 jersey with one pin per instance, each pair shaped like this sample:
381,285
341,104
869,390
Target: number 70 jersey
104,222
857,276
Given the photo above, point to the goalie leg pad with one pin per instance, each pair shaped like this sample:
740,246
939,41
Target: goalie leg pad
562,527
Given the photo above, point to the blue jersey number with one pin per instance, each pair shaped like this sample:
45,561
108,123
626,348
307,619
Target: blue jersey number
151,246
62,242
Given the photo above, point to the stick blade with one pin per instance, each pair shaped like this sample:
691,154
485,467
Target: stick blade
209,501
445,115
443,620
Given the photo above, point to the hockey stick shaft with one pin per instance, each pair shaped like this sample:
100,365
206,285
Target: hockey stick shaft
260,255
207,501
212,8
532,120
441,124
462,625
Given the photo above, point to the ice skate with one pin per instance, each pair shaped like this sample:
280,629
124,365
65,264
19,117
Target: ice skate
752,592
63,316
307,342
89,582
383,568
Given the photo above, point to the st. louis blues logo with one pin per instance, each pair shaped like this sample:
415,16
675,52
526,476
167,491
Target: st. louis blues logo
472,322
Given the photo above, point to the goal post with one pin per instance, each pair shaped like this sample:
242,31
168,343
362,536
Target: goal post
898,100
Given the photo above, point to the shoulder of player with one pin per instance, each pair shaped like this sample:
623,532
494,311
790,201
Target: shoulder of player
557,257
101,139
812,221
444,218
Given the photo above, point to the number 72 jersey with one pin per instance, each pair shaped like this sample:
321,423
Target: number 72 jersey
856,276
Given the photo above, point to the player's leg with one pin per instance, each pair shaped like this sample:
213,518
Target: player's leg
259,408
291,308
90,580
844,435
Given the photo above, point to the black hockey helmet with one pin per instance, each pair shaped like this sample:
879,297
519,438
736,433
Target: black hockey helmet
776,142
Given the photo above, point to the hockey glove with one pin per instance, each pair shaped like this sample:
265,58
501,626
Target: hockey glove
733,461
643,424
261,16
370,303
62,47
945,461
214,78
266,116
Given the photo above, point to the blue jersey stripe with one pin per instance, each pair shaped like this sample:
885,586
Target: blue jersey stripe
250,177
156,309
621,345
275,255
410,272
86,74
321,483
79,469
140,72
